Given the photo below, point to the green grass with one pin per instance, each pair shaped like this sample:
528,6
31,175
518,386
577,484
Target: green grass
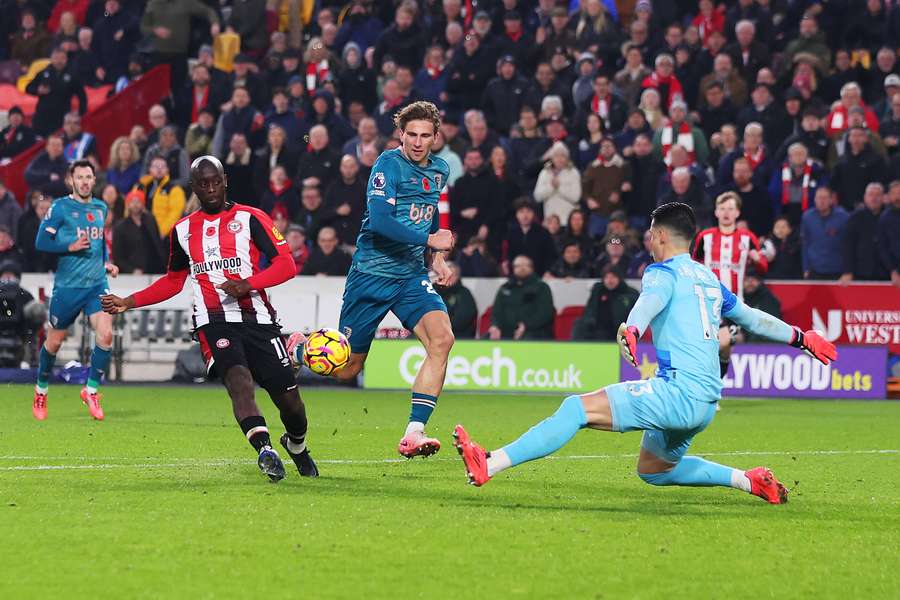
164,500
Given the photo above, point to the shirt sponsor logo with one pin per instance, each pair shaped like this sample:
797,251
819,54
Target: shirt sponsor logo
419,213
235,227
232,265
378,181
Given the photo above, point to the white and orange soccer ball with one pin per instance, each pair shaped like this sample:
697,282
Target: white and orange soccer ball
326,351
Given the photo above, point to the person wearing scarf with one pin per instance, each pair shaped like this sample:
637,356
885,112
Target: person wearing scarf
678,131
793,187
664,81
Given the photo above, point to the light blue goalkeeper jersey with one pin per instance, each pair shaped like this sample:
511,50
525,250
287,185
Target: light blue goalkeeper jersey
66,220
683,302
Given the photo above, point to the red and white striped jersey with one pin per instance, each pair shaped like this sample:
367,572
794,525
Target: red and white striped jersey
227,245
727,255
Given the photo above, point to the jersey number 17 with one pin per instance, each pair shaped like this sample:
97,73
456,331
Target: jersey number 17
704,295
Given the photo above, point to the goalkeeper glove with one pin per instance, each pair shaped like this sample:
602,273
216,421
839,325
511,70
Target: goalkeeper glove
295,346
815,345
628,337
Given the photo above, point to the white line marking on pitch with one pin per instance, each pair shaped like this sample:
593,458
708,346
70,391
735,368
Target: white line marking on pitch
187,462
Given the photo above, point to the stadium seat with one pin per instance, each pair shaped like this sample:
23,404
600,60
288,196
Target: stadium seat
565,320
484,323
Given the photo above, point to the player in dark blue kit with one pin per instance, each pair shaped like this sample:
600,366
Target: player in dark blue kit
73,228
399,240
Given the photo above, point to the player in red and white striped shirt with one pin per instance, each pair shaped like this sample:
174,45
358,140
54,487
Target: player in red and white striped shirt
219,247
727,250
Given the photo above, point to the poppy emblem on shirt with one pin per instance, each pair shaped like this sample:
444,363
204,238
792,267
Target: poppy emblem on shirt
235,226
90,217
426,185
210,231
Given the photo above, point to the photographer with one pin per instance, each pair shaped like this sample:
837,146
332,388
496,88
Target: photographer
20,316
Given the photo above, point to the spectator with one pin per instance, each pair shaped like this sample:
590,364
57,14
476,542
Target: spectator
605,180
239,168
686,189
475,260
755,152
10,211
523,308
275,152
504,95
199,137
890,125
664,81
366,137
198,94
345,200
27,228
570,265
480,136
748,53
460,304
167,26
115,203
612,110
77,144
891,88
115,35
756,207
286,69
555,34
516,42
323,114
646,170
576,232
583,86
838,146
628,81
716,111
404,40
319,165
158,118
310,215
679,131
776,125
166,199
811,43
296,240
242,118
615,254
529,238
248,20
642,259
442,150
838,120
471,68
856,169
757,295
47,171
795,183
76,8
610,302
360,27
10,254
862,260
733,86
475,201
31,41
16,137
281,194
137,247
888,240
558,186
124,168
509,189
327,258
589,145
55,87
86,65
787,261
811,135
176,156
822,230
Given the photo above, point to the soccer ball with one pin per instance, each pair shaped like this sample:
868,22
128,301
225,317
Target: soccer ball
326,351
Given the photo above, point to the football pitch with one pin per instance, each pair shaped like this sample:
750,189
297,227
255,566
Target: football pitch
164,500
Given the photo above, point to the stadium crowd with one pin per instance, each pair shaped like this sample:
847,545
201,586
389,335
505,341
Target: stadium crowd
564,124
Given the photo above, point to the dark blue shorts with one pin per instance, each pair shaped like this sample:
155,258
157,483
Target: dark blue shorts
368,298
67,303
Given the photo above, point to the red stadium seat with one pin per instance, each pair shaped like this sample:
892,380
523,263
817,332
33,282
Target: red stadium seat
565,320
484,323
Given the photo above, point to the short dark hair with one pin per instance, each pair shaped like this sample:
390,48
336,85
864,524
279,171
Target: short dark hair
677,217
81,163
418,111
524,202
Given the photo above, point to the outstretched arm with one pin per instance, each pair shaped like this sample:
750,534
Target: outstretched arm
773,328
167,286
657,286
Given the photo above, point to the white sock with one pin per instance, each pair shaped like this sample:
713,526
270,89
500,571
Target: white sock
90,390
41,390
295,448
415,426
739,480
497,461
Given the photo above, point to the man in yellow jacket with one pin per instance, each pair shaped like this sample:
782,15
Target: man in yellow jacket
165,200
